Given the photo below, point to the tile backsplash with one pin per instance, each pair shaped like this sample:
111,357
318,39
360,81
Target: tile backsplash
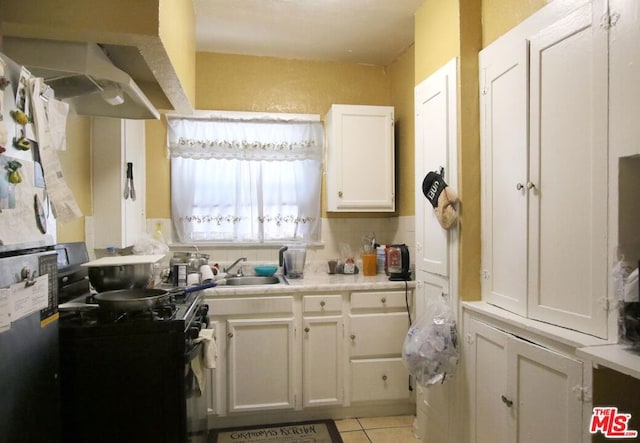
335,231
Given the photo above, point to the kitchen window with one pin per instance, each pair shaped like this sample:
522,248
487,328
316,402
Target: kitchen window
245,177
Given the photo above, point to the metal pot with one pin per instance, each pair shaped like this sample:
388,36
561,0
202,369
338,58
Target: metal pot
128,300
129,276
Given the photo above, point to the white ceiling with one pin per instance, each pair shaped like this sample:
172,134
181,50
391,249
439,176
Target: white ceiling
359,31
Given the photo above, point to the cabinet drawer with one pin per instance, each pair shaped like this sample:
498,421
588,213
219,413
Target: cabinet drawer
378,334
378,300
322,303
379,379
250,305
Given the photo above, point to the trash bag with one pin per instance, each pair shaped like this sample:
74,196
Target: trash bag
430,350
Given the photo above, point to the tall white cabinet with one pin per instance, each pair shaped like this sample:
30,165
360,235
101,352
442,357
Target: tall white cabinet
117,221
360,158
518,391
544,109
435,257
544,174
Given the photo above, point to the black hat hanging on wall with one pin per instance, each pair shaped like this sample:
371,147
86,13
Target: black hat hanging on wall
441,197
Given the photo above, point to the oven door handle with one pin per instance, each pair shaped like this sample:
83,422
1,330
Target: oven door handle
194,352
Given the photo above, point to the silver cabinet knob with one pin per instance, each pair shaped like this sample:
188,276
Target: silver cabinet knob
353,337
519,186
340,194
506,401
230,334
384,378
530,185
306,329
383,300
322,303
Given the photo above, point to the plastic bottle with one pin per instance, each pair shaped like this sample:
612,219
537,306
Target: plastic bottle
381,259
111,251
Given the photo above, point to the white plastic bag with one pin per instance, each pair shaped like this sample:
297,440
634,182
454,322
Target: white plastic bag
147,245
430,350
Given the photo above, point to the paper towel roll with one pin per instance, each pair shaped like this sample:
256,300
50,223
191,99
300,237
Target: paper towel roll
193,279
206,273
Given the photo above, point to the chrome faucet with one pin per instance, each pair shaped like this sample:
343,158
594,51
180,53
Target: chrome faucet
239,273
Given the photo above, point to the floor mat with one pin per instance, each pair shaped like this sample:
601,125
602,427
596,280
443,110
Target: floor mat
317,431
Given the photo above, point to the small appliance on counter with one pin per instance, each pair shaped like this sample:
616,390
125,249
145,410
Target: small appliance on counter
292,259
398,263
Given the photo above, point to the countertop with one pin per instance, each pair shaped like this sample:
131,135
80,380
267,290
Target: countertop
316,282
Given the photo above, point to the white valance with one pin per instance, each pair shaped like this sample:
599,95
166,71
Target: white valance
245,136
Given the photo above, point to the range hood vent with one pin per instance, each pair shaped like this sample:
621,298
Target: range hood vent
82,75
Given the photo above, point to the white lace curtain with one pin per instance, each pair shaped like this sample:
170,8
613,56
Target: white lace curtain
247,178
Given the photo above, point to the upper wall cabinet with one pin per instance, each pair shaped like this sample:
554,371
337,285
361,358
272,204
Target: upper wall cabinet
118,219
544,144
360,163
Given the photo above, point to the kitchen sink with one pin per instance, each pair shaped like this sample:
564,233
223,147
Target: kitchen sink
252,280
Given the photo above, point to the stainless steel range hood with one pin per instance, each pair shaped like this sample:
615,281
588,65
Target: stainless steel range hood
82,75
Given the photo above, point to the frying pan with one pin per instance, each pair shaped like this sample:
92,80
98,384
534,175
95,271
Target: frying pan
128,300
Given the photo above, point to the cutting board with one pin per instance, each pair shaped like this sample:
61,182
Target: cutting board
125,260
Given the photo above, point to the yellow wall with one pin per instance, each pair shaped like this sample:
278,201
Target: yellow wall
267,84
436,36
401,73
498,16
177,25
76,165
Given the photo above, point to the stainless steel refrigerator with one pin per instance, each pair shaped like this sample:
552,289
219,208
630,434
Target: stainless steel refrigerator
29,359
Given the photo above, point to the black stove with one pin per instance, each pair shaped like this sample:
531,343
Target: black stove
127,376
180,306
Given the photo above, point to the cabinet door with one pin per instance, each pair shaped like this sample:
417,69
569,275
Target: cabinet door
542,388
485,363
118,221
360,159
624,71
322,350
568,172
260,364
504,160
429,287
378,334
436,147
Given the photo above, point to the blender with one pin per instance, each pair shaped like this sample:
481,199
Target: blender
292,258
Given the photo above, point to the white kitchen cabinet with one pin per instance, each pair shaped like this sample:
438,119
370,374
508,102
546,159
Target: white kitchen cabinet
257,351
436,149
544,175
322,350
519,391
378,324
360,159
115,142
296,352
260,361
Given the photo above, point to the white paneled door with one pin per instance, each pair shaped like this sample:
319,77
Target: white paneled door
436,147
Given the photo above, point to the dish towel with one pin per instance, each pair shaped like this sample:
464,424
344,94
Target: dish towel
207,358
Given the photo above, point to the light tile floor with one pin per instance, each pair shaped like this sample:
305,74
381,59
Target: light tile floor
397,429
